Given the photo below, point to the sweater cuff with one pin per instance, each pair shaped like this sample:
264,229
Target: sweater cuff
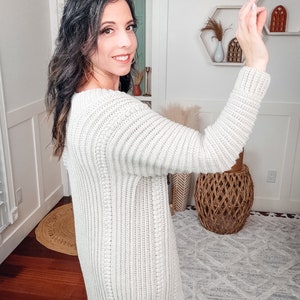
252,82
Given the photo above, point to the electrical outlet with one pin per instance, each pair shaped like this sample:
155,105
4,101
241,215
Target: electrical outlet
271,176
19,197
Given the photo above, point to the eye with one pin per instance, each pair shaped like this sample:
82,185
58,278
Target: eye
132,27
106,30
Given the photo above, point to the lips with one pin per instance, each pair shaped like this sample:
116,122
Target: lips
124,58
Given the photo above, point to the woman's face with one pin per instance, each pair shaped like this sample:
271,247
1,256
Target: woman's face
116,44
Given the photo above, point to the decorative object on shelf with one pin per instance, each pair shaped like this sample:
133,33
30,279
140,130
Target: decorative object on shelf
219,32
234,52
228,16
278,19
136,89
224,200
283,18
181,182
148,92
219,53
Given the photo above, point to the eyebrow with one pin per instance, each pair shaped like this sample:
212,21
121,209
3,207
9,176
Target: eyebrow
112,23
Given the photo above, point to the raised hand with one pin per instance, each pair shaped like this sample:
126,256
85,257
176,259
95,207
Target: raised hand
249,35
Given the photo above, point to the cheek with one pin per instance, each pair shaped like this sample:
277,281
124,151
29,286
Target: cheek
104,46
95,58
103,51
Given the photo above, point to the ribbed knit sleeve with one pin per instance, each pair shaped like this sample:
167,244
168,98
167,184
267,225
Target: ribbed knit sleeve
140,141
147,144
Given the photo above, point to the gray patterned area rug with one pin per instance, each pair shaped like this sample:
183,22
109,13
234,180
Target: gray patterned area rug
260,262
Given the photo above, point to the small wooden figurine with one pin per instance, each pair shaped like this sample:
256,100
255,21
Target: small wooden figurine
234,52
278,19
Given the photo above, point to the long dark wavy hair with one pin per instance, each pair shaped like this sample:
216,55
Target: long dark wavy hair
69,65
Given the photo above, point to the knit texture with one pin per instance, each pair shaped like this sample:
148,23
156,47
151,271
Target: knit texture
118,153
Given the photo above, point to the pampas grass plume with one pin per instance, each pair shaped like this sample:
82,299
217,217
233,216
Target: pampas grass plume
189,116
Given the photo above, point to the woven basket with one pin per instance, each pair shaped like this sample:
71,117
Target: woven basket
224,200
180,186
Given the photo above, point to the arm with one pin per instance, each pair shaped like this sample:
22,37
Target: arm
159,146
147,144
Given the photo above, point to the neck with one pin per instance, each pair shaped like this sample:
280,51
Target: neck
105,80
106,83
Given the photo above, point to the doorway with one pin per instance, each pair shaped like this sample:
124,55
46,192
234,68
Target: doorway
4,199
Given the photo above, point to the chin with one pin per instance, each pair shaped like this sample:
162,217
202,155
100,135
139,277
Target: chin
124,71
123,74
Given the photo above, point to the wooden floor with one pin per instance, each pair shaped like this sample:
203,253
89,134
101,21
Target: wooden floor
33,272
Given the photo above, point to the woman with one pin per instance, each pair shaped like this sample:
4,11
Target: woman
118,151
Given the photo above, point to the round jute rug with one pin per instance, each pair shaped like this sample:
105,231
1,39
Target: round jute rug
56,231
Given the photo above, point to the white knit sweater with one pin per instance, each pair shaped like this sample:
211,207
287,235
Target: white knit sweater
118,153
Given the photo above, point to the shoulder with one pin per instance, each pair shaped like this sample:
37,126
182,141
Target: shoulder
108,104
103,97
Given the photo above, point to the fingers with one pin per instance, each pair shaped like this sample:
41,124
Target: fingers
249,34
246,13
252,15
261,18
252,18
246,8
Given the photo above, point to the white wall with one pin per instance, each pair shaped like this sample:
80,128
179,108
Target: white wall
183,73
25,39
177,57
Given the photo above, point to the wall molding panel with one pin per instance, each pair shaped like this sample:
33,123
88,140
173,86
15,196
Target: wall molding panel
34,170
33,176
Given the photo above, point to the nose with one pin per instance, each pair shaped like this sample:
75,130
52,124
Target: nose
126,38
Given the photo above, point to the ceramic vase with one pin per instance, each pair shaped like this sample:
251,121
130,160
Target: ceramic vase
136,90
219,53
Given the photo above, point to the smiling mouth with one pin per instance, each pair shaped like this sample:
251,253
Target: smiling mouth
122,58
